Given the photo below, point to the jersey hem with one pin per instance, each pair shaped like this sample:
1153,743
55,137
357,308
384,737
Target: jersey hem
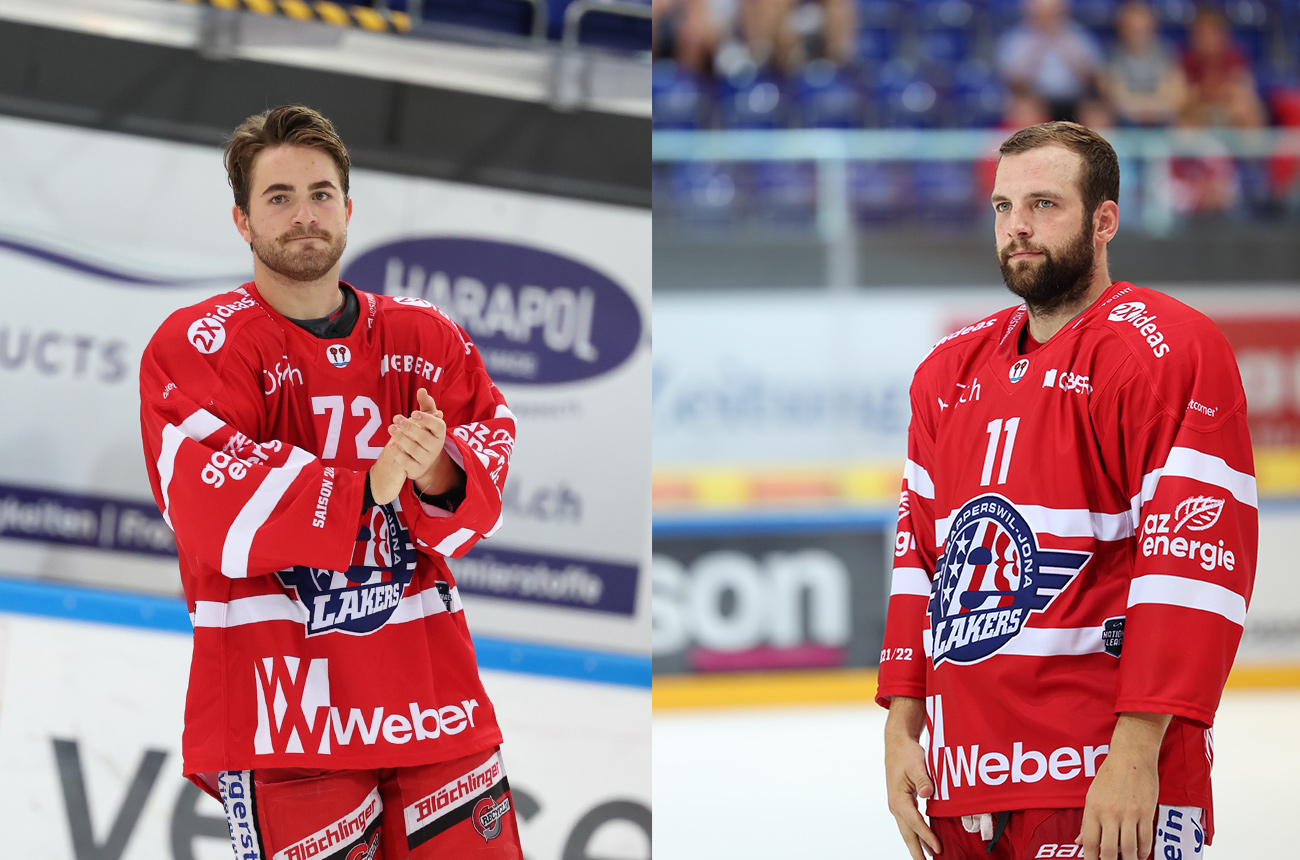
1201,717
192,769
883,694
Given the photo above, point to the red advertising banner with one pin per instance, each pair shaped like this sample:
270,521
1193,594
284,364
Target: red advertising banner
1268,354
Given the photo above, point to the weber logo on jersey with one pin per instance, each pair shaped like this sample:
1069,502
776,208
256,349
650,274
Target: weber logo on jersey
362,598
992,576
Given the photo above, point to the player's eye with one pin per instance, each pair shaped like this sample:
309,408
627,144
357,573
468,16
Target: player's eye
1004,206
279,198
322,195
1045,204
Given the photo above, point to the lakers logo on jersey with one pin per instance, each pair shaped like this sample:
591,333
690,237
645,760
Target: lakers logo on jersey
362,598
992,576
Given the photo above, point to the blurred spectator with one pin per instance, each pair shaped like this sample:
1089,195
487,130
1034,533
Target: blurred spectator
1050,56
684,30
1023,110
1221,85
1143,82
816,30
749,32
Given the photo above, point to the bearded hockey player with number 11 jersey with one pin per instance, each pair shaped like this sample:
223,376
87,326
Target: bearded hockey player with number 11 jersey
1076,542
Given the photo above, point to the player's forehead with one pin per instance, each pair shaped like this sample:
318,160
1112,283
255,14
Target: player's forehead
290,164
1045,168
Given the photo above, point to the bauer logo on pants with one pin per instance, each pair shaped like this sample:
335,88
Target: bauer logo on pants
487,816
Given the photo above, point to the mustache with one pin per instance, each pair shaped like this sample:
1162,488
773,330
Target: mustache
1017,247
306,234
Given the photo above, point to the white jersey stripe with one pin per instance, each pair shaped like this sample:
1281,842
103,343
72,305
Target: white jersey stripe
199,426
918,480
239,540
1061,522
1189,593
1206,468
1044,642
503,411
248,610
281,607
1055,642
495,526
453,541
910,580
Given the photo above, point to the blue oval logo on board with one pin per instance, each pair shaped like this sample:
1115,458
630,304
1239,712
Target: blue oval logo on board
536,317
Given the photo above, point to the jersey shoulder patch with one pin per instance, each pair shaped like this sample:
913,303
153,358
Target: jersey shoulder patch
1187,360
209,326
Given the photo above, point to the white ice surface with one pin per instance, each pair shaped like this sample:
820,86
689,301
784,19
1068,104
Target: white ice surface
788,783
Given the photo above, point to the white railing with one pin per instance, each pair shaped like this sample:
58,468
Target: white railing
832,150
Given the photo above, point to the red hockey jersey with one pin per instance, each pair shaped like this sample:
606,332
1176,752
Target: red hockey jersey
1076,538
324,637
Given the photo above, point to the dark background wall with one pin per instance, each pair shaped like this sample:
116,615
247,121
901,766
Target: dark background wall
181,94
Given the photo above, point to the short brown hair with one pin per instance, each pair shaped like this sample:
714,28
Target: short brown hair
1099,175
297,125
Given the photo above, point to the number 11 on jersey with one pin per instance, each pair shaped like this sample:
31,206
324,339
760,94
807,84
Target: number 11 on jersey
995,431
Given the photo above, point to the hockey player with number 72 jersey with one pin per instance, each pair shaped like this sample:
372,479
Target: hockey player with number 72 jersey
325,635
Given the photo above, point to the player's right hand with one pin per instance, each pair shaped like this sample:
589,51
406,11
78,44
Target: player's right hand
389,473
906,778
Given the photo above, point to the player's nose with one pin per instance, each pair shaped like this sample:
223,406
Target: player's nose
304,214
1018,222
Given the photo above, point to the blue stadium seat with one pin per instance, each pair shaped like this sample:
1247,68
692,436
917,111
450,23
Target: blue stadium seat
702,193
944,46
1004,14
503,16
944,14
826,98
978,96
785,192
751,100
876,45
907,98
612,30
1254,42
678,100
945,192
880,13
879,192
1095,14
1174,14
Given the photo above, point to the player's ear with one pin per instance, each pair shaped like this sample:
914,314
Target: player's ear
349,210
241,223
1105,221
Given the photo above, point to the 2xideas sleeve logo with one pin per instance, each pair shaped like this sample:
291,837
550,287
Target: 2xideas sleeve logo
536,316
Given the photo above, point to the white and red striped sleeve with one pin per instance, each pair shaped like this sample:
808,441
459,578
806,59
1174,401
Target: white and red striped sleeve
480,439
1193,502
239,508
902,657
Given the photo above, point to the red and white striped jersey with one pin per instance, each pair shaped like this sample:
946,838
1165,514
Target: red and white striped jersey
1076,538
324,636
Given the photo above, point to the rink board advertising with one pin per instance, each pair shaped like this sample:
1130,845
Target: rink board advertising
806,600
98,741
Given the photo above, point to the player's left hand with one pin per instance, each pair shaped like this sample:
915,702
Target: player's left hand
421,436
1119,813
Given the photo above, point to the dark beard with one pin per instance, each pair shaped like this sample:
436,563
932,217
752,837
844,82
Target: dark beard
1058,280
302,264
